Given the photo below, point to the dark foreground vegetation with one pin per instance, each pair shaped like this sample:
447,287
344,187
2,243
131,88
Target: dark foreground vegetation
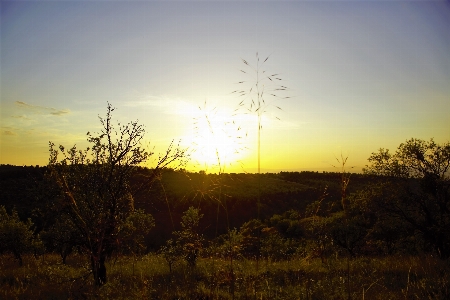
93,224
148,277
304,246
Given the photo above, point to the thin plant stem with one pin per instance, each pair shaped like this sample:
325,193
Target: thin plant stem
258,106
255,103
345,179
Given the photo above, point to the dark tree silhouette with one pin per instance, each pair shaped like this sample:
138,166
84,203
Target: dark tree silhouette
418,188
16,237
95,189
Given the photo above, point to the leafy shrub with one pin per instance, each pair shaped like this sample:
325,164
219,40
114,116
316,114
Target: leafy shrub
187,243
16,237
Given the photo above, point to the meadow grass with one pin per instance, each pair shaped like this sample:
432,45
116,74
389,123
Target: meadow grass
148,277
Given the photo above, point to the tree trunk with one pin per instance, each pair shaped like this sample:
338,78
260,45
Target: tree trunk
18,257
99,269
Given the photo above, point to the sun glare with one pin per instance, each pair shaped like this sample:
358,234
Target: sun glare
218,142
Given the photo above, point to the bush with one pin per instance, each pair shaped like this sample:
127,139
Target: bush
16,237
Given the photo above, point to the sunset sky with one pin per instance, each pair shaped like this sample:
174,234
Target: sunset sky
362,75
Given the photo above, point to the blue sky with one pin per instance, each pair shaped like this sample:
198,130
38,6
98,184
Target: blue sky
362,75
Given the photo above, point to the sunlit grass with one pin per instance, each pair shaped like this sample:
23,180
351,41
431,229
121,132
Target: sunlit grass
148,277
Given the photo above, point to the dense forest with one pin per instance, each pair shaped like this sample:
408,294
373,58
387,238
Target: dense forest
291,202
28,191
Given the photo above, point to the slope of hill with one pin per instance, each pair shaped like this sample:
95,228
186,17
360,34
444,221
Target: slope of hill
226,200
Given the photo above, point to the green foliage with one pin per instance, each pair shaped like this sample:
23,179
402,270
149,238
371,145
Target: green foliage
417,191
275,247
319,242
288,224
189,239
415,158
171,253
188,242
227,246
254,239
251,238
191,219
62,237
347,231
132,234
16,237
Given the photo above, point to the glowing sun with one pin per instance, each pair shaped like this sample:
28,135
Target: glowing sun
217,140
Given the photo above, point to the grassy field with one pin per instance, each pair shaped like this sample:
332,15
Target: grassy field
148,277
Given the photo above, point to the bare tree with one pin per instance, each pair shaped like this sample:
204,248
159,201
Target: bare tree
94,185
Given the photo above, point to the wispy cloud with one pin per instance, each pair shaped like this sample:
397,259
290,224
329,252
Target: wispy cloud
42,109
59,112
167,104
21,117
8,132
